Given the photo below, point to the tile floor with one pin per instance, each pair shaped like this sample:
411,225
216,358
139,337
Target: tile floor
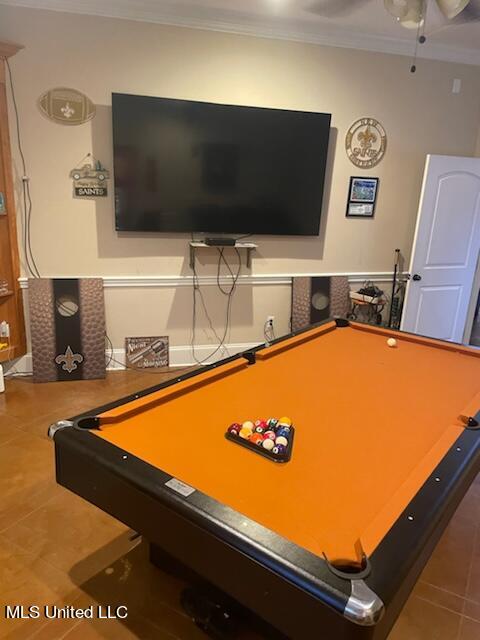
57,549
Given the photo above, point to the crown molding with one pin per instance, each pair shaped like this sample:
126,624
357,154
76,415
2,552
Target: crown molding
228,21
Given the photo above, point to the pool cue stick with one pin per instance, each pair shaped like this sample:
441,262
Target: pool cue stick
395,273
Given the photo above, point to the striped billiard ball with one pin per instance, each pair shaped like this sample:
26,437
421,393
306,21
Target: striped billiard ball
279,450
284,431
234,429
272,423
245,433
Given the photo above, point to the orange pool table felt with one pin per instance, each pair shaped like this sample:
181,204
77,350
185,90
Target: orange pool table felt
372,422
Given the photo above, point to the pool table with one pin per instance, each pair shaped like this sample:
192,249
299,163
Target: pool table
387,442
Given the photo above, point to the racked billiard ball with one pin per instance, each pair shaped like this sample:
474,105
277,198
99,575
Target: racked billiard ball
279,449
248,425
245,433
256,438
284,431
272,423
234,429
285,421
281,440
268,444
270,435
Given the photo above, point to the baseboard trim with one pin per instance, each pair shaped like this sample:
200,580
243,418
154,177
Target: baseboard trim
180,356
135,282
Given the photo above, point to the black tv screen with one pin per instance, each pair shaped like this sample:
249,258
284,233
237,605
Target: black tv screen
188,166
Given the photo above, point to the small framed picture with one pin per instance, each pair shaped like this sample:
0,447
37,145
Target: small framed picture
362,197
147,353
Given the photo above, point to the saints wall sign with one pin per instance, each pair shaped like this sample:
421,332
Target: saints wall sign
147,353
89,179
366,143
66,106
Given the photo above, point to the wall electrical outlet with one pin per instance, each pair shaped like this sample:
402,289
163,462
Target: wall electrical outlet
270,320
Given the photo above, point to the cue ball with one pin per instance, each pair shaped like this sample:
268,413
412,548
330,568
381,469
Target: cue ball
392,342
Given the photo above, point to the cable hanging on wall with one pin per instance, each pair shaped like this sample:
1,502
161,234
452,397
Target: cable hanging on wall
27,205
226,292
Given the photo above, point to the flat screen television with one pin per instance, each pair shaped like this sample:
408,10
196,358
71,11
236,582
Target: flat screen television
183,166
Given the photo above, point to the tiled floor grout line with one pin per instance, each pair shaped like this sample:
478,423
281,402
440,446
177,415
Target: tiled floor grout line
77,588
64,635
13,438
436,604
469,576
451,593
27,515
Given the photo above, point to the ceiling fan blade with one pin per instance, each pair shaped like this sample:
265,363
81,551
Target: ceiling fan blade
452,8
415,14
333,8
397,8
471,13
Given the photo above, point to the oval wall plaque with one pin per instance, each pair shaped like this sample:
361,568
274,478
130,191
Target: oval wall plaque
66,106
366,143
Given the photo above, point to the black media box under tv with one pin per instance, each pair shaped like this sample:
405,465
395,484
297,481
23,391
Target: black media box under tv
220,242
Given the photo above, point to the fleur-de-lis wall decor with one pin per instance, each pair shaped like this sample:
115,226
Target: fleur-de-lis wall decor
69,360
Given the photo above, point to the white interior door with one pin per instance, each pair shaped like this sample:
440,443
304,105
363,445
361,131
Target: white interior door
445,249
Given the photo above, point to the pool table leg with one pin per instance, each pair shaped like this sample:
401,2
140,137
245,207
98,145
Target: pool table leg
212,610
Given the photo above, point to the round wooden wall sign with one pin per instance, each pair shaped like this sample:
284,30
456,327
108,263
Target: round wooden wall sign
66,106
366,143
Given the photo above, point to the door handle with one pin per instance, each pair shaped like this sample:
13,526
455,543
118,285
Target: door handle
416,277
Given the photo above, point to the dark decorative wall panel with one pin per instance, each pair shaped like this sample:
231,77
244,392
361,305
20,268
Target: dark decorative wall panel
318,298
67,320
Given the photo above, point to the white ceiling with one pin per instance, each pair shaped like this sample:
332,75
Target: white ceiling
362,24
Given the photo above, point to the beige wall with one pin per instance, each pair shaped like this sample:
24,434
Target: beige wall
99,55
